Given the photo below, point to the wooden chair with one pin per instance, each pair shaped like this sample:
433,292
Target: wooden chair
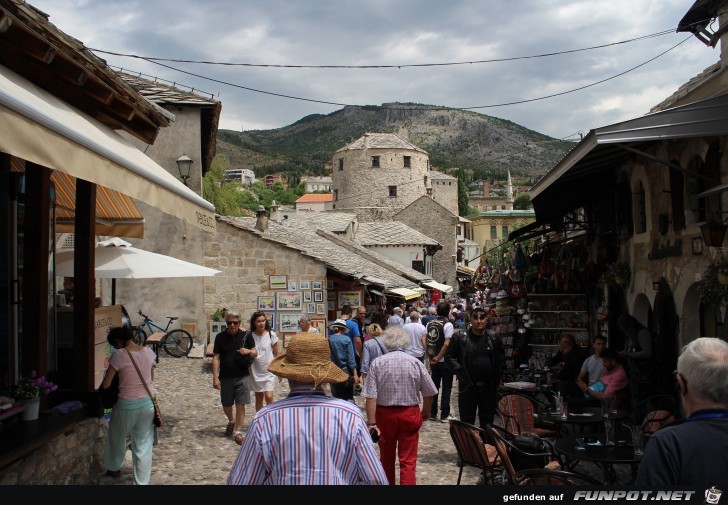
654,413
516,413
472,450
502,439
546,477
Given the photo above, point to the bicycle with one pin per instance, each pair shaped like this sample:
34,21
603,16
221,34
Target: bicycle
176,342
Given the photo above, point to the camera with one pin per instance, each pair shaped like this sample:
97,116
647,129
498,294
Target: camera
374,434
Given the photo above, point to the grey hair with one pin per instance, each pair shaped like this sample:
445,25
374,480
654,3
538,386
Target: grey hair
233,313
414,316
432,310
304,318
704,364
395,337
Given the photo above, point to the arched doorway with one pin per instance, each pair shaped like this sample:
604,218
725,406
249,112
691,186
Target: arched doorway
665,339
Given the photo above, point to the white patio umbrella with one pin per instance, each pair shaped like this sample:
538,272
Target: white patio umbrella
117,259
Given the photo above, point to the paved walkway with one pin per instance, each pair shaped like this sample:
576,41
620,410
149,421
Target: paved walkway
193,449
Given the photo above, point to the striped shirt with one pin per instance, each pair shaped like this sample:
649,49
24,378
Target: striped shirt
397,379
307,438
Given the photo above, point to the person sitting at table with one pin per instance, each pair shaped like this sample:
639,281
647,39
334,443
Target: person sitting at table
694,450
568,364
614,378
593,367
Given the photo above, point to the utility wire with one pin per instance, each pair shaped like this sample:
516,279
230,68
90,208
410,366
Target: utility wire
410,65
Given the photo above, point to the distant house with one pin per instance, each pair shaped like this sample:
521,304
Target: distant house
318,183
244,176
271,179
490,228
314,201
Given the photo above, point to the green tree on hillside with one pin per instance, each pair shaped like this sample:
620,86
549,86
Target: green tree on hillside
227,198
463,199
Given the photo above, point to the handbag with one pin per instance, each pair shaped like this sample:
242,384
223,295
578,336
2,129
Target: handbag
157,419
109,396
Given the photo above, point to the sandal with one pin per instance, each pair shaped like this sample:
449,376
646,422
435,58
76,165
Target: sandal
229,429
238,437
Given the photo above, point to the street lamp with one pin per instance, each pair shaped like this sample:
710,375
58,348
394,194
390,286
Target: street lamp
184,163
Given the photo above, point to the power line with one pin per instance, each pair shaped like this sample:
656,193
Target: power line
408,65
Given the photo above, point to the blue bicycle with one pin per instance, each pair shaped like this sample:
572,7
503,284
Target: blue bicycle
176,342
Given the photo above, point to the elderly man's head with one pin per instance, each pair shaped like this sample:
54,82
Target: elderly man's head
395,337
304,323
702,374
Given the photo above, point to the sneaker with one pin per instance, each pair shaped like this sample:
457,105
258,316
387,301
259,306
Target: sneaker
432,418
448,419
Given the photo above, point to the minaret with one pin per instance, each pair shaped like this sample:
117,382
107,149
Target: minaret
509,193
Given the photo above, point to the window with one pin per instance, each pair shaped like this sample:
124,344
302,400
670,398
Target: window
407,162
493,232
505,232
336,195
341,164
392,190
375,161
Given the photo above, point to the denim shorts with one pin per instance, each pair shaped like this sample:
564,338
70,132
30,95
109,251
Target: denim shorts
234,390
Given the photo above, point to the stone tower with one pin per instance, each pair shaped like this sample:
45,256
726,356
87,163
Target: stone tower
378,175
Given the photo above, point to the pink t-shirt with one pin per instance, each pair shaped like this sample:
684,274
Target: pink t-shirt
130,387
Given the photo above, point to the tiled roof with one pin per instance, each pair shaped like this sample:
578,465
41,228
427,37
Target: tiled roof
391,233
319,178
697,81
336,253
316,198
381,141
435,175
336,222
158,92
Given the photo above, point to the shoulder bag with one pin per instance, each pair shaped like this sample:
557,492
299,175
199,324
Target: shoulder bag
157,420
109,396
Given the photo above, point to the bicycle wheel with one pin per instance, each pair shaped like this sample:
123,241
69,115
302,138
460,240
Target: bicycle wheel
177,343
140,336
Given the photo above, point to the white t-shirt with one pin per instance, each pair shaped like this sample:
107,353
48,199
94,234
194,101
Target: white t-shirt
416,331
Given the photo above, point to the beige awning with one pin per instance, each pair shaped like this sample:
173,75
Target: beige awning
436,285
405,293
38,127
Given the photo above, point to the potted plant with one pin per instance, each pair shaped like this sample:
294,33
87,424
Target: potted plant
616,275
713,286
219,314
29,390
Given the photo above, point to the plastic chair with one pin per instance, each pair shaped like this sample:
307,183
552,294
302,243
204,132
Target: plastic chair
546,477
507,451
516,413
472,450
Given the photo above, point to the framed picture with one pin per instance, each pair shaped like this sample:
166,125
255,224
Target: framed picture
320,308
317,285
286,338
318,296
352,298
331,305
306,296
292,286
311,308
288,322
288,300
303,285
330,284
271,317
319,324
330,295
266,302
277,282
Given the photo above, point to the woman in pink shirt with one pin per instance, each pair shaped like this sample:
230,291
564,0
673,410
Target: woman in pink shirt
134,410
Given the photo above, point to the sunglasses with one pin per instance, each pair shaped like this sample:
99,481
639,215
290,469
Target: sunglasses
232,323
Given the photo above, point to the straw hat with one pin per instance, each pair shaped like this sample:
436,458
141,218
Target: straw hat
307,360
341,325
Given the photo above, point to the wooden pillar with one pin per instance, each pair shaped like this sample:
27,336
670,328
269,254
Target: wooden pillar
36,229
84,289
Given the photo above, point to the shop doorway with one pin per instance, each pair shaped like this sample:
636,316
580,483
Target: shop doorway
665,339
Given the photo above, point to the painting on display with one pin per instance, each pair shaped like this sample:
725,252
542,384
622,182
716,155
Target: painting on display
266,302
321,308
311,308
330,295
331,305
288,322
352,298
292,286
317,285
318,296
286,337
319,324
271,317
304,285
288,300
277,282
307,296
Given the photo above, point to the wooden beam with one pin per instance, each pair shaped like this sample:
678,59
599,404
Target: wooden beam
84,287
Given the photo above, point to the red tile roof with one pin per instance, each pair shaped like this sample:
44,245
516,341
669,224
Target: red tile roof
316,198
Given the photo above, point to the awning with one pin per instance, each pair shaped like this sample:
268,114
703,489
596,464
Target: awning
116,214
375,292
462,269
436,285
405,293
40,128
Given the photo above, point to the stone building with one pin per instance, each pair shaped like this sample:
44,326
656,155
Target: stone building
444,190
490,228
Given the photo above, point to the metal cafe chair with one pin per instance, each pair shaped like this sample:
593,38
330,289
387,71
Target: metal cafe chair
472,450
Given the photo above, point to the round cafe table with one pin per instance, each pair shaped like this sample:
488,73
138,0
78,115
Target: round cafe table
605,456
578,416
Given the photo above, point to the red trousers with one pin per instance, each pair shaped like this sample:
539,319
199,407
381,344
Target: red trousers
400,434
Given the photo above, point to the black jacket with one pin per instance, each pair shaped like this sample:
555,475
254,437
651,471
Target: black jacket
460,354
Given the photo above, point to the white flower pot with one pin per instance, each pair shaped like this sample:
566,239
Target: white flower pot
32,408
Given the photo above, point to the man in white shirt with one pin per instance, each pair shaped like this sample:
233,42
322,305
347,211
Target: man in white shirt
593,366
418,337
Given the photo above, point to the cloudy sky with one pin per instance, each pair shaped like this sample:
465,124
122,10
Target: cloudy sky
427,33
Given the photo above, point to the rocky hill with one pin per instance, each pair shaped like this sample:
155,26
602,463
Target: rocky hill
483,146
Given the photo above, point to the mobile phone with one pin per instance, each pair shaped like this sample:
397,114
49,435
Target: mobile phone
374,434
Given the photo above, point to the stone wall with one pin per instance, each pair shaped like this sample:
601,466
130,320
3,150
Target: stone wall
246,261
74,457
445,192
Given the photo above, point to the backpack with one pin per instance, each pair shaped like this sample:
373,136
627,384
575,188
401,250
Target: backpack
435,336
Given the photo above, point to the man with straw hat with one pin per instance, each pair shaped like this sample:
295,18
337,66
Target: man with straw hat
307,438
